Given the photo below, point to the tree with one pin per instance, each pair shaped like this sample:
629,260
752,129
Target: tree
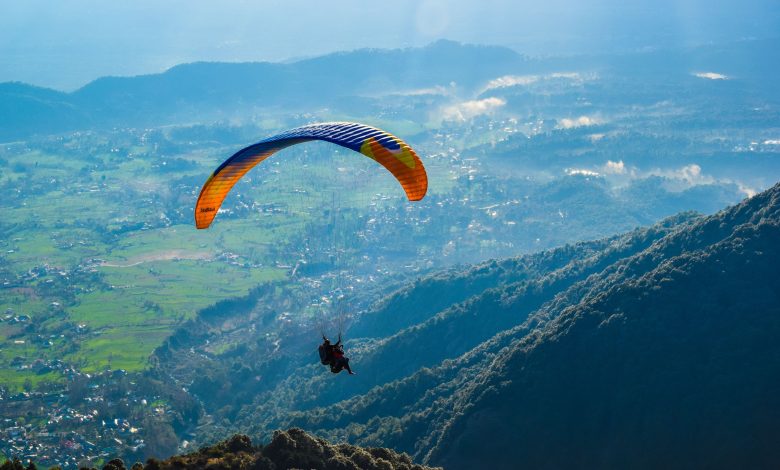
160,438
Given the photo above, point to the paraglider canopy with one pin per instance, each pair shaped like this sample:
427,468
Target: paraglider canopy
386,149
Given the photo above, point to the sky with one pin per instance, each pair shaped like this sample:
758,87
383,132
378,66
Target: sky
65,44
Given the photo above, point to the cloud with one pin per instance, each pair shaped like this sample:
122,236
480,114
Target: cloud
507,81
711,75
581,172
614,168
674,179
581,121
469,109
682,178
692,174
569,75
609,169
746,190
511,80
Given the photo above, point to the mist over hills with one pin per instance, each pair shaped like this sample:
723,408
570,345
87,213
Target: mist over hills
650,349
211,91
197,91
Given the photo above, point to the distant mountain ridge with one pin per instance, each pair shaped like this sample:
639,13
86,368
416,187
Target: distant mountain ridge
212,90
208,91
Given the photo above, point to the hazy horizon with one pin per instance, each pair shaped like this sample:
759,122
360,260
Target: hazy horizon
65,46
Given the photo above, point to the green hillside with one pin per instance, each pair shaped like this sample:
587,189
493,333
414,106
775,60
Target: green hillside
667,345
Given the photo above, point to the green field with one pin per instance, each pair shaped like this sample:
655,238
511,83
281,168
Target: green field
98,249
95,275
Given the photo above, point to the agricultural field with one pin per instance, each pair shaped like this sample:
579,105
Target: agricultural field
100,260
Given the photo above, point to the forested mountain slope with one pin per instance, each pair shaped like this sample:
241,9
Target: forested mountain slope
465,314
414,339
664,357
436,318
678,367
